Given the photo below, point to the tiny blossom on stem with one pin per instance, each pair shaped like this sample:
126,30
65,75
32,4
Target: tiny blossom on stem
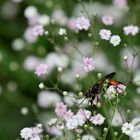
105,34
72,123
61,109
32,133
127,128
82,23
97,119
115,40
121,88
88,64
41,70
84,113
110,93
67,115
107,20
131,29
38,30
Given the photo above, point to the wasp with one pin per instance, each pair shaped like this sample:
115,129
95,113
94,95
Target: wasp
97,88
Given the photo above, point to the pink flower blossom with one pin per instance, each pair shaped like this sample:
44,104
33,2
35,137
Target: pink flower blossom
107,20
61,109
29,36
72,123
72,24
121,88
67,115
105,34
38,30
97,119
88,64
120,3
82,23
131,29
84,113
41,70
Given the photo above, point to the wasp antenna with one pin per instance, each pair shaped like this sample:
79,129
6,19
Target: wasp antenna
81,102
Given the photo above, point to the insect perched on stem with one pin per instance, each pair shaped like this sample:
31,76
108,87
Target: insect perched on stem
98,87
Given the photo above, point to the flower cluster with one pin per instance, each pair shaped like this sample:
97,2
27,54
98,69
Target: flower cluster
79,119
31,133
106,35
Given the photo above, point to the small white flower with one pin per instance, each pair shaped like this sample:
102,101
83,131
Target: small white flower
97,119
62,31
131,29
105,34
26,133
115,40
110,93
88,137
127,128
72,123
82,23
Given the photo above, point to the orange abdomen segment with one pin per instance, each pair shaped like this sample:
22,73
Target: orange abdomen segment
114,82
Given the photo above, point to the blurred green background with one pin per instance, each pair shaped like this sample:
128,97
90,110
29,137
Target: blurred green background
18,87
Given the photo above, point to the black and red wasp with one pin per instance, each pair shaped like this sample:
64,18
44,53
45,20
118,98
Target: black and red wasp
97,88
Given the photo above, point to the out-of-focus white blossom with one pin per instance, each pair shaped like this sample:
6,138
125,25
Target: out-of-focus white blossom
107,20
131,29
88,137
48,99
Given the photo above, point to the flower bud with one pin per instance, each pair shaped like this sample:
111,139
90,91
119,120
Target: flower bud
125,58
81,94
99,75
90,35
66,38
60,69
41,86
105,129
115,133
77,75
65,93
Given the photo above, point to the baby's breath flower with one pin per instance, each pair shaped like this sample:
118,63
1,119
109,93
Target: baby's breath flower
82,23
97,119
41,70
107,20
88,64
127,128
131,29
115,40
105,34
38,30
